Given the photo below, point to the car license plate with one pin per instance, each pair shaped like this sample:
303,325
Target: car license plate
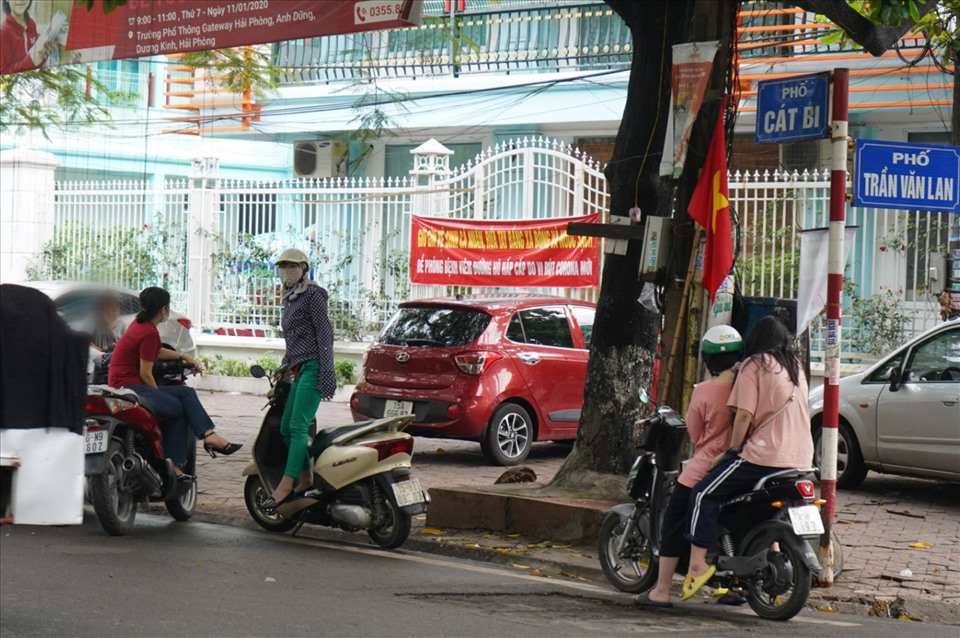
408,492
806,520
95,442
397,408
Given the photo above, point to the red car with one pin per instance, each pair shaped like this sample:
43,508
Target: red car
505,370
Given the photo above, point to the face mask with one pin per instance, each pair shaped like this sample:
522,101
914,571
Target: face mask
290,275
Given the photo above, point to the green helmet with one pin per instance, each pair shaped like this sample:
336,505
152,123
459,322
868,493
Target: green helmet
293,256
721,339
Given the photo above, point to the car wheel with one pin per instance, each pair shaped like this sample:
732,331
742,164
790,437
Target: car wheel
851,469
509,435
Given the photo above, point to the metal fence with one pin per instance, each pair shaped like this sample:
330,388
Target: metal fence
357,233
890,289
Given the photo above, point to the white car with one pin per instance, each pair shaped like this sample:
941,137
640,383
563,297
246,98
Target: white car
902,415
77,302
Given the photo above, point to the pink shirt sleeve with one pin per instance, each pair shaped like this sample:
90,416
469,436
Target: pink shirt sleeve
746,389
695,417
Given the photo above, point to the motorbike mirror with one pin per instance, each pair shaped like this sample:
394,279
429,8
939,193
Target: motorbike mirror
257,372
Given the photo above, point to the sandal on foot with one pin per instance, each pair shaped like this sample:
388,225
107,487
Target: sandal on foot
644,600
691,585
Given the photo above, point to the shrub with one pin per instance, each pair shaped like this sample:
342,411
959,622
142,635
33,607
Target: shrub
344,368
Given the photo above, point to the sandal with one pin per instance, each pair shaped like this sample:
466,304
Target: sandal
644,600
692,584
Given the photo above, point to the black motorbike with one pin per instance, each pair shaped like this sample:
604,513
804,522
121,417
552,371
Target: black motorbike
764,535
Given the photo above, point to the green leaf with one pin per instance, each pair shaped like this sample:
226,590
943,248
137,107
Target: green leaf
914,12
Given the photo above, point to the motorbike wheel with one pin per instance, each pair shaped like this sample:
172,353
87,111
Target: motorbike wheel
780,591
181,508
633,571
395,531
254,495
116,508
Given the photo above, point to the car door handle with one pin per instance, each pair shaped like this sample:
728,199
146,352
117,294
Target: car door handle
948,400
529,359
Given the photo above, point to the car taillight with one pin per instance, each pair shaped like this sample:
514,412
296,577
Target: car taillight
355,402
454,410
386,449
806,489
476,362
186,323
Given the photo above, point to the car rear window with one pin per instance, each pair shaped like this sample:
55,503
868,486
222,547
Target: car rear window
434,326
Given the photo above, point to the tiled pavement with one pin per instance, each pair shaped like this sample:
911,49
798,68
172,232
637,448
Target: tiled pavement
877,523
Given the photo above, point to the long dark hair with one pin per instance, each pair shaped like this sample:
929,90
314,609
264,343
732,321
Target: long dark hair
26,12
770,336
152,301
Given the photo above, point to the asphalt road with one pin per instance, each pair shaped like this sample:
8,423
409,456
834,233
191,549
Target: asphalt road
196,579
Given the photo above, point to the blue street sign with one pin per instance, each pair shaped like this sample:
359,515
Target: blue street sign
793,109
907,176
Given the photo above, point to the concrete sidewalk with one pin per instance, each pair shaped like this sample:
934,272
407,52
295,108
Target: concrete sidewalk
900,537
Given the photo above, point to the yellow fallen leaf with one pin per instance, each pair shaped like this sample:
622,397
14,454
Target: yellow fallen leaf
513,535
494,536
432,532
921,545
502,550
441,452
471,545
827,609
906,617
520,566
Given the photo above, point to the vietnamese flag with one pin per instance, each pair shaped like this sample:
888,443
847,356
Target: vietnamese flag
711,209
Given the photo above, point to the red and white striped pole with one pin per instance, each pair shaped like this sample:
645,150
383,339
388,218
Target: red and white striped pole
835,267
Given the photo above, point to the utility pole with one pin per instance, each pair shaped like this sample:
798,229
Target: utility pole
835,267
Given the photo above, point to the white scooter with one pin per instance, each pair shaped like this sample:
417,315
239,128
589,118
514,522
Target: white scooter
361,476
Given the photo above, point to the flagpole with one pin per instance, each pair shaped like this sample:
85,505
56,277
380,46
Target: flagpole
835,267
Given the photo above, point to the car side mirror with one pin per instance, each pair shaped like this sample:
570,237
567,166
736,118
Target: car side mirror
894,379
257,372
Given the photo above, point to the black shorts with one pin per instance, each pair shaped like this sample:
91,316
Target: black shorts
675,521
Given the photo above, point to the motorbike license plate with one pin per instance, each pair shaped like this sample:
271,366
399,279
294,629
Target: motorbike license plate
397,408
408,492
806,520
95,442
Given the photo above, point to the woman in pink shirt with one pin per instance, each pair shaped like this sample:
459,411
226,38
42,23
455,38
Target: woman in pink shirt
771,431
709,424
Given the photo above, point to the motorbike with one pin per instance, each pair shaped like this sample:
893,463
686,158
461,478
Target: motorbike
764,538
361,473
124,459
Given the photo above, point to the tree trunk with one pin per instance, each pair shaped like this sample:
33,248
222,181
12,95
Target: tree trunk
625,334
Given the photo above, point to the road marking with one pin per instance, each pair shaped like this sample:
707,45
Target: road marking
345,546
437,562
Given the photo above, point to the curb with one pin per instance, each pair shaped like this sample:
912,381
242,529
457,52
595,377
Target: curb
820,600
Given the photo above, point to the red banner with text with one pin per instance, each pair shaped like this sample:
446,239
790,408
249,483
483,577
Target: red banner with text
538,252
52,32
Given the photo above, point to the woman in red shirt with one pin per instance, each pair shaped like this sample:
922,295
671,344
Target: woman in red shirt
132,367
19,49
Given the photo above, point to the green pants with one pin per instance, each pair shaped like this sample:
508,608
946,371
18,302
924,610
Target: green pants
301,408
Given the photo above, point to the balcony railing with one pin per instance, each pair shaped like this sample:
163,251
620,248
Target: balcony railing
527,36
515,36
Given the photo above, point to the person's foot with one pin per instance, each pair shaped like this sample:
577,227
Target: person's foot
304,482
214,444
694,581
648,600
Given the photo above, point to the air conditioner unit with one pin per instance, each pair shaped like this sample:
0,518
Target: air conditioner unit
319,159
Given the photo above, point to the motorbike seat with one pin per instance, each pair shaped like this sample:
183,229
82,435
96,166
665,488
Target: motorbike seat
115,393
325,437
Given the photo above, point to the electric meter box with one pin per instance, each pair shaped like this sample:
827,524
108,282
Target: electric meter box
657,240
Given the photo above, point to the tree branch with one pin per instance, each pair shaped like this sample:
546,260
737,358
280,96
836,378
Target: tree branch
874,38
